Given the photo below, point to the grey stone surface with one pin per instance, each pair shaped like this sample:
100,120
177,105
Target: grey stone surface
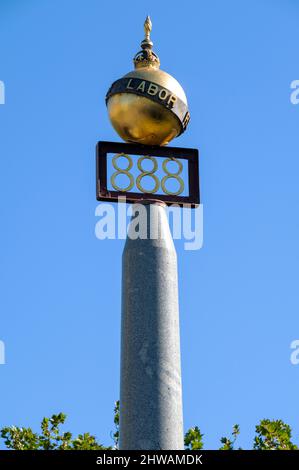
151,392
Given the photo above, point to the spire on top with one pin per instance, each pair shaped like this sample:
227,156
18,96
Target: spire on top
146,57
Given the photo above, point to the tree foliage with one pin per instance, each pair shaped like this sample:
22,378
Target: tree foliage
228,444
270,435
273,435
194,439
50,437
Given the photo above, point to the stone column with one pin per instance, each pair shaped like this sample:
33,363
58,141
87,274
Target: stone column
151,415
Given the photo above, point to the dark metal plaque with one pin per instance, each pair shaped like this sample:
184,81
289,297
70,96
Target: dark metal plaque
171,173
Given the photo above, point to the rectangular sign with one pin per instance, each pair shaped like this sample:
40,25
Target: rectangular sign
145,172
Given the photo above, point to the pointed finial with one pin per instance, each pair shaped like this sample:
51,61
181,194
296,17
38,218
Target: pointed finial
147,30
146,57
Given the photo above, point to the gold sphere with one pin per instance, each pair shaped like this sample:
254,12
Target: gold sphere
147,106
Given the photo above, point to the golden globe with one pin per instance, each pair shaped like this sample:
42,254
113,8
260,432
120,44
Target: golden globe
147,106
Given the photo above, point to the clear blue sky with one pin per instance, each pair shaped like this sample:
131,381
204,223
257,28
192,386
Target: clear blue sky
60,286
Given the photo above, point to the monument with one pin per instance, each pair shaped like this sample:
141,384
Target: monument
148,108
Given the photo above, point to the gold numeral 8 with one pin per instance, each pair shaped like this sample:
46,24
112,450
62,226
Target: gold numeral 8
170,175
121,171
150,173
